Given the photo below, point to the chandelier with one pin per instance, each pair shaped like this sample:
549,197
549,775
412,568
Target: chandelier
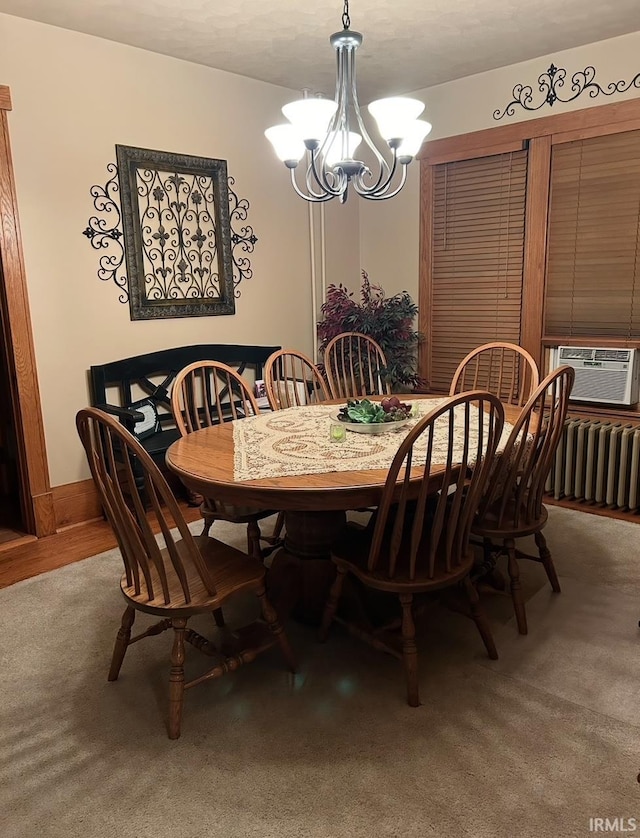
323,129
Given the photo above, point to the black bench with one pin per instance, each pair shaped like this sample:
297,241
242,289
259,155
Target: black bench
138,389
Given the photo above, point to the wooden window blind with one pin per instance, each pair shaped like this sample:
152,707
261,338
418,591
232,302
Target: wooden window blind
477,258
593,264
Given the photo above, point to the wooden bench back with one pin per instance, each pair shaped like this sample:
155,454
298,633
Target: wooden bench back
153,374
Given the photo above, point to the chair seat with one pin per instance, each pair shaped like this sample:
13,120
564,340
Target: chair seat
352,551
230,570
490,527
236,514
157,444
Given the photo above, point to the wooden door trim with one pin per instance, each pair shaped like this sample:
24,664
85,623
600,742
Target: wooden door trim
425,262
37,498
535,245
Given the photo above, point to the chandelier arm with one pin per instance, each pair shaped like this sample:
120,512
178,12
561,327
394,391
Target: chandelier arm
383,166
383,195
312,197
322,179
379,187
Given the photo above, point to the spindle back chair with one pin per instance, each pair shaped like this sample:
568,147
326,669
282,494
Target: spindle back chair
512,505
292,379
504,369
420,543
356,367
176,576
208,393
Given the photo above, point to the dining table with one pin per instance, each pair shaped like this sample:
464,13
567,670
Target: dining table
288,461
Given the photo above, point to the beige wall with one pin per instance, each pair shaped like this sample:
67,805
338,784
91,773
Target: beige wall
389,230
75,97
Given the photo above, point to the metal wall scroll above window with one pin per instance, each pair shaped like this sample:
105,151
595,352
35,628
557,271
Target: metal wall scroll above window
173,232
551,87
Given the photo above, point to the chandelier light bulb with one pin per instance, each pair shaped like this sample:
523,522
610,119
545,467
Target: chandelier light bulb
342,148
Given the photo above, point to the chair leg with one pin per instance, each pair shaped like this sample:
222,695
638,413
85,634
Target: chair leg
547,561
493,576
176,678
516,587
122,642
409,650
218,616
480,619
271,619
207,522
253,541
332,603
279,526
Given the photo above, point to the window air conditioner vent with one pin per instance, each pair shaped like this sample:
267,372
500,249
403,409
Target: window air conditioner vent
577,353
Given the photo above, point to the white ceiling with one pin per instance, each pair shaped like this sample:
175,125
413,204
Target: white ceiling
408,44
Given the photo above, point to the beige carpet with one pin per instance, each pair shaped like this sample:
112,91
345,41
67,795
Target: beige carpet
530,746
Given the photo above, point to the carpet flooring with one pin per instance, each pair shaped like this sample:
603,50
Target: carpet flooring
529,746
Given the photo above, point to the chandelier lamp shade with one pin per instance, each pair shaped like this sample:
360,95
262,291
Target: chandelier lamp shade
330,132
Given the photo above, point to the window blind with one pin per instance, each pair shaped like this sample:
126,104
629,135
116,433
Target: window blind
593,265
477,258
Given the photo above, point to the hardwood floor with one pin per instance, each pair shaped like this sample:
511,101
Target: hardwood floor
30,556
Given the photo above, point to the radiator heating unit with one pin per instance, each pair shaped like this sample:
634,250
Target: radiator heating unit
598,462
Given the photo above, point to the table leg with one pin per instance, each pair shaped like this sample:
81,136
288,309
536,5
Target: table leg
302,572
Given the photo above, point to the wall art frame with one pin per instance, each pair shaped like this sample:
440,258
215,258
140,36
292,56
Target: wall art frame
177,234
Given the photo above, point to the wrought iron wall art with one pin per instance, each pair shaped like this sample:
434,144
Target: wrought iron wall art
551,87
106,233
181,212
175,213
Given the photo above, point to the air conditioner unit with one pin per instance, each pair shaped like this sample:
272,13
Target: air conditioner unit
608,376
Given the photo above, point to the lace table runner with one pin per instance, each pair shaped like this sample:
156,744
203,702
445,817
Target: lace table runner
296,441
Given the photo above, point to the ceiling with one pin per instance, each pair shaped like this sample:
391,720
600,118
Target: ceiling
408,44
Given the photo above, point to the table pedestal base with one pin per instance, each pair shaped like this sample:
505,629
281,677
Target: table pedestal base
302,571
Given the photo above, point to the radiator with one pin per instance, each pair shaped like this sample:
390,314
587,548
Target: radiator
598,463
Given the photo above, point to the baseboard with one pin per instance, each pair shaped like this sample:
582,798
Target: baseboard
75,503
592,509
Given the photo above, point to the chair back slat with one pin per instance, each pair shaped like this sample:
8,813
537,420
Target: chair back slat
208,393
356,367
504,369
425,533
292,379
514,494
151,569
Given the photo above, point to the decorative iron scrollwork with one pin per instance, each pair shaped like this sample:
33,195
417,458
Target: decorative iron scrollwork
177,234
551,84
106,233
245,239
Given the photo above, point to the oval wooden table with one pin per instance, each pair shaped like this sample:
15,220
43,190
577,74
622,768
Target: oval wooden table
315,507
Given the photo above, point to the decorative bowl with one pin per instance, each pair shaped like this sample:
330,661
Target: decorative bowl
373,427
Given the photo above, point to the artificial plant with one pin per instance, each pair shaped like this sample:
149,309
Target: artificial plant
388,320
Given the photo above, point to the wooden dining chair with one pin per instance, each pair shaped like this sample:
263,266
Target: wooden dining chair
208,393
176,577
512,505
292,379
355,366
421,544
504,369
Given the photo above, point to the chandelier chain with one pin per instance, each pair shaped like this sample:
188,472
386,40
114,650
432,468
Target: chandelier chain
346,20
